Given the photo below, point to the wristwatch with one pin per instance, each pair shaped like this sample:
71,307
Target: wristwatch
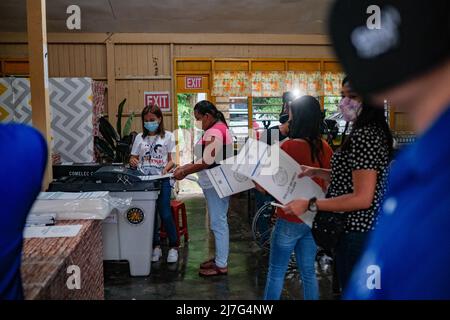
312,205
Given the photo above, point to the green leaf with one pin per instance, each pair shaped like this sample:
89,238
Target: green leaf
127,127
119,117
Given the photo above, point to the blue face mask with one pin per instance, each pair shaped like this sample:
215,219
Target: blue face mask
151,126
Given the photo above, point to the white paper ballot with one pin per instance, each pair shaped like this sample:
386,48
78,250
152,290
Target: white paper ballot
156,177
249,157
228,182
277,172
52,231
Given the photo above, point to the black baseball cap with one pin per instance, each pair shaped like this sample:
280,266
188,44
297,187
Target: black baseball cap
384,43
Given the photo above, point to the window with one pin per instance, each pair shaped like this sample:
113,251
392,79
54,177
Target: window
331,109
235,110
266,112
331,105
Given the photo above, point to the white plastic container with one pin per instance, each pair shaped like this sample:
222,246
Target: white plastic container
128,221
128,235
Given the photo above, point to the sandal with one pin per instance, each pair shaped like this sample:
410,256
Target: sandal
208,263
214,270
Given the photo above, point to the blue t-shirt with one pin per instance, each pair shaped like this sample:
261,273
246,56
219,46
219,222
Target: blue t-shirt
23,156
408,255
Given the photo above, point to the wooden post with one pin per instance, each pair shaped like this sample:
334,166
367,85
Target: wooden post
111,81
38,59
173,97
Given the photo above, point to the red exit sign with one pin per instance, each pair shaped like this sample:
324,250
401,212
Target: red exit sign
193,82
161,99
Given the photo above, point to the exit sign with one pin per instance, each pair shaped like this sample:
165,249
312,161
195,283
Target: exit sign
193,82
161,99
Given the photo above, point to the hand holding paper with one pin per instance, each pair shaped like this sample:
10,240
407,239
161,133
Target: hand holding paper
228,182
296,207
276,171
271,167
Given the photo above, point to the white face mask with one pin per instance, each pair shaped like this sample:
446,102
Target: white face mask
198,125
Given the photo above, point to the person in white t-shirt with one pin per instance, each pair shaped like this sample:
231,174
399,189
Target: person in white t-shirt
152,155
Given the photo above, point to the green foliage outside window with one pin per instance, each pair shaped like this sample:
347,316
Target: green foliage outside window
185,110
331,105
272,105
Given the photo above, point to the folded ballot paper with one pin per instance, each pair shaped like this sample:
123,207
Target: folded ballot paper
277,173
78,205
227,182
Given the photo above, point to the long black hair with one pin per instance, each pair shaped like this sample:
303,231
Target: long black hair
203,107
371,115
306,123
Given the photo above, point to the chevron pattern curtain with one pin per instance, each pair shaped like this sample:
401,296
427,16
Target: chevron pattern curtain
71,102
71,113
15,100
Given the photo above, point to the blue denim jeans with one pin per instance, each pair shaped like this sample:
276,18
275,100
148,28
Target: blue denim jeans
218,211
287,237
165,214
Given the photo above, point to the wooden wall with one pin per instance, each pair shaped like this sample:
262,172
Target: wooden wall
254,51
77,60
133,63
139,68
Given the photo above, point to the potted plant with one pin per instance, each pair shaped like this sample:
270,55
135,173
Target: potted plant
115,145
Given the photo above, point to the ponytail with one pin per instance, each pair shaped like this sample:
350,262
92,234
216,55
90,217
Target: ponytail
221,117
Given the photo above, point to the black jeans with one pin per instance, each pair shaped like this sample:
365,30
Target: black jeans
348,252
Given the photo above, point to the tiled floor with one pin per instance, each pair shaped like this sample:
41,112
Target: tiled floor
247,265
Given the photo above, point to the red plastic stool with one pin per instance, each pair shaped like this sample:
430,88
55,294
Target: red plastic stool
178,209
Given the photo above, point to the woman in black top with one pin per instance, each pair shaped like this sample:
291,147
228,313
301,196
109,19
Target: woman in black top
357,184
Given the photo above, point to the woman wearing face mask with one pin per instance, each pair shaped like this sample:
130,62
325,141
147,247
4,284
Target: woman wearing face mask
214,146
357,184
351,101
152,155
